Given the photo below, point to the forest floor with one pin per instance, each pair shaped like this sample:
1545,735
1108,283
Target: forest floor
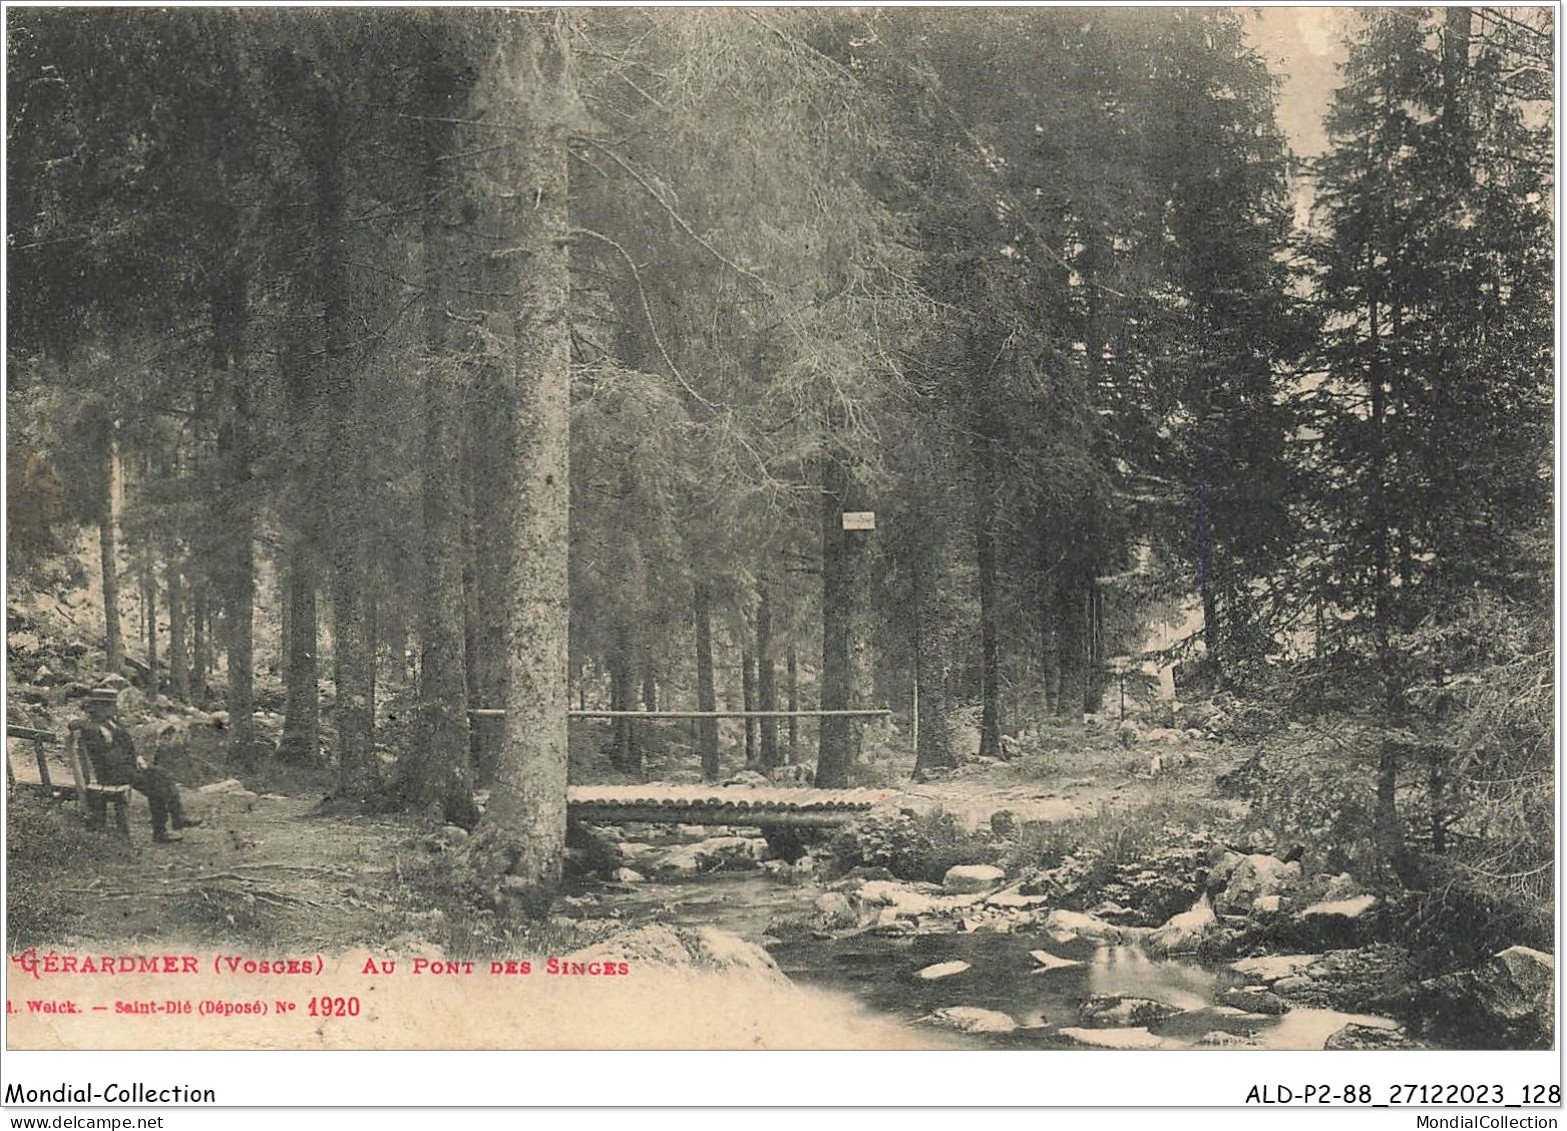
275,866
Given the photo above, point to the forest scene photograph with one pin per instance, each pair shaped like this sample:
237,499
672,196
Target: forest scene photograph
982,528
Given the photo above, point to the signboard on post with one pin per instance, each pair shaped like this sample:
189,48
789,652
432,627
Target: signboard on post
859,520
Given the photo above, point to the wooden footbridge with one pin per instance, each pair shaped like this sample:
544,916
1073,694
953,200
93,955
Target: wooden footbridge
776,807
765,807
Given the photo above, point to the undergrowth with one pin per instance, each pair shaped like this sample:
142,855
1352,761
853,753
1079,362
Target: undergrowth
48,849
1151,860
911,848
445,904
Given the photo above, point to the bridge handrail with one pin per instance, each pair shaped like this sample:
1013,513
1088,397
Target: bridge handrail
883,712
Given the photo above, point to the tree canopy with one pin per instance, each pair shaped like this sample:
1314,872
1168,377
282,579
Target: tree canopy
547,350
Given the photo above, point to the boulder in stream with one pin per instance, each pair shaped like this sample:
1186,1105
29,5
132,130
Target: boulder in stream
1505,1003
1270,968
1337,924
1048,962
1351,908
1342,886
1378,977
1254,999
682,862
906,900
726,853
722,950
967,879
971,1019
1219,1039
834,912
1112,1011
1255,877
1370,1037
1184,932
1133,1038
705,948
1013,900
731,853
653,944
1063,925
943,970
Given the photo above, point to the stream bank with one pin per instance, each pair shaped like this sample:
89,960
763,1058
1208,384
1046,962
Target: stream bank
1187,942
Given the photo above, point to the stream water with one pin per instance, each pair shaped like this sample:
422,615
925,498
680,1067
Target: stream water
881,971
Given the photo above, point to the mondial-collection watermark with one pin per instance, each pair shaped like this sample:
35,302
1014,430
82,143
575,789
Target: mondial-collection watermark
137,1093
1485,1122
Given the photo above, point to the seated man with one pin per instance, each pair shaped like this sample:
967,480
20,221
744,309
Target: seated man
109,748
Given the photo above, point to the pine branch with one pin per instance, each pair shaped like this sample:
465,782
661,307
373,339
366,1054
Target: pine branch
647,311
679,220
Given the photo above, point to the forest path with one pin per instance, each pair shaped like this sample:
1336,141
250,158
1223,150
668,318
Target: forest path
1091,778
264,868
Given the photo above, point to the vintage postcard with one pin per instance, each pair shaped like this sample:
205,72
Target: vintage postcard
807,528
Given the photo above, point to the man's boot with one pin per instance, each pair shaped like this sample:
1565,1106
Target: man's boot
158,803
177,812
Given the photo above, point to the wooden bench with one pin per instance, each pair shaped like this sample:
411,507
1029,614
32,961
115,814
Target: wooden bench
90,795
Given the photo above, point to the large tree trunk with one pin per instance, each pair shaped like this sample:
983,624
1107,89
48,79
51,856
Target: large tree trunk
1387,827
149,604
649,686
933,661
1050,647
301,741
489,426
200,645
285,628
353,642
624,753
443,691
792,670
179,658
302,703
1097,680
528,83
470,624
230,315
1072,654
748,699
489,439
986,425
839,549
239,615
446,779
989,633
766,679
1212,636
108,550
706,696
